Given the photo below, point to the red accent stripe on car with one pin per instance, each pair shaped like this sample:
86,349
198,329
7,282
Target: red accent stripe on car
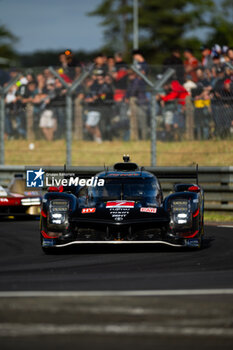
196,213
45,235
188,235
43,213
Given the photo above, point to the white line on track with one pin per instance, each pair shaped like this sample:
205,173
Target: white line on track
17,329
156,293
118,242
225,226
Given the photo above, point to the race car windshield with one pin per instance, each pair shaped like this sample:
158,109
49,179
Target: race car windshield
135,189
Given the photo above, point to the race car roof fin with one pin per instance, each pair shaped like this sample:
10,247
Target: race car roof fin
126,158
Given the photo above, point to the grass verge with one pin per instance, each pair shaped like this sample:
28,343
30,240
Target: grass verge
87,153
216,216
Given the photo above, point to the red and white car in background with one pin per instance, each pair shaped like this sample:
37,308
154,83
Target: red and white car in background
16,200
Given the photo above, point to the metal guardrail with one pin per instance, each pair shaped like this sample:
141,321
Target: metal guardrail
216,181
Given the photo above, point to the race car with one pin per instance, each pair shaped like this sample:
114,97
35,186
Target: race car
15,200
127,208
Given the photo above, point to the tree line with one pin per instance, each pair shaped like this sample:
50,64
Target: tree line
162,25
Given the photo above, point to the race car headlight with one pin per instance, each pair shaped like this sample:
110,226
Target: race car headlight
58,212
59,206
31,201
182,218
57,218
180,212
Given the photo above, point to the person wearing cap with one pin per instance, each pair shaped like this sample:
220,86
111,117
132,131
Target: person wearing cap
217,102
71,63
137,88
225,57
206,60
216,50
105,101
89,95
140,62
100,67
227,110
216,61
202,110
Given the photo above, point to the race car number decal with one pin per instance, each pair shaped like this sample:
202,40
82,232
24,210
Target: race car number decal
4,200
117,204
88,210
149,210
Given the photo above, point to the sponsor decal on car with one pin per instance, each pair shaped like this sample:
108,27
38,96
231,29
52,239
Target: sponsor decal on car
121,204
88,210
119,213
192,243
124,175
148,210
48,242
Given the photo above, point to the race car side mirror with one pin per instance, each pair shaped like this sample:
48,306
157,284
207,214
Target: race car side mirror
56,189
195,189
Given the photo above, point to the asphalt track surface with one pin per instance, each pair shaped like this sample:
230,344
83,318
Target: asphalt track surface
115,297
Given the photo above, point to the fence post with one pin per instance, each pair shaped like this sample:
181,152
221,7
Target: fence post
153,130
133,119
189,119
69,109
78,119
2,128
3,92
29,116
155,89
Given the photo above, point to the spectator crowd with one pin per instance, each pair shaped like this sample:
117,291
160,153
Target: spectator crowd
106,94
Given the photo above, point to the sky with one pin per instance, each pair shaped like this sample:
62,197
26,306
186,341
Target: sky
52,24
55,24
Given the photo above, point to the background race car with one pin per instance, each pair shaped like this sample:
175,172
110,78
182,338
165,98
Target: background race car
16,200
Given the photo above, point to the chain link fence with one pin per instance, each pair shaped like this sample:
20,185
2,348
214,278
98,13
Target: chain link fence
90,104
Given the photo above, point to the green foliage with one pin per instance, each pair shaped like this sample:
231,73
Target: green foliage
163,24
221,23
7,41
117,19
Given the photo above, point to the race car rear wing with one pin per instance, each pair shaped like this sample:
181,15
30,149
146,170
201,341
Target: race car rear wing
175,173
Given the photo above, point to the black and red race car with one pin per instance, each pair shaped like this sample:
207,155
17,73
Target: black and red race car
128,208
16,200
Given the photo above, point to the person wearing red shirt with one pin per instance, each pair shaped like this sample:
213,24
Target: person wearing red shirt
173,105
